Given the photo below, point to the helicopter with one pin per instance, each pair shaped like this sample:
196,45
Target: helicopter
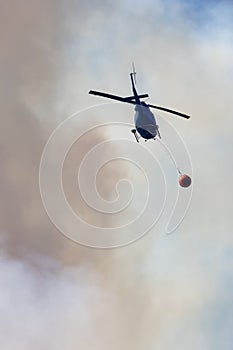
144,120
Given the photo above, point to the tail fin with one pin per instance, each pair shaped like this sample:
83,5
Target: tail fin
134,72
133,81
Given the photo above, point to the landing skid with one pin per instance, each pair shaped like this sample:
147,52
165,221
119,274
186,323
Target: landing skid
158,132
134,131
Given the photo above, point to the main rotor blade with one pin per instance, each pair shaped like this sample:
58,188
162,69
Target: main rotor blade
170,111
127,100
112,97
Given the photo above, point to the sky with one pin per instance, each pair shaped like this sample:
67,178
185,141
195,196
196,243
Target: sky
162,291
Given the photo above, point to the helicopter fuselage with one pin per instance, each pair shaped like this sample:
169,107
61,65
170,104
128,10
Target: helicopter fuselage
145,122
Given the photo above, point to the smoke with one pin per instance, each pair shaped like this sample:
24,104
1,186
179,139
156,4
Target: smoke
156,293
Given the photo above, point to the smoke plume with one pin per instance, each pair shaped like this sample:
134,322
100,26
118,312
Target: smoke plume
159,292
